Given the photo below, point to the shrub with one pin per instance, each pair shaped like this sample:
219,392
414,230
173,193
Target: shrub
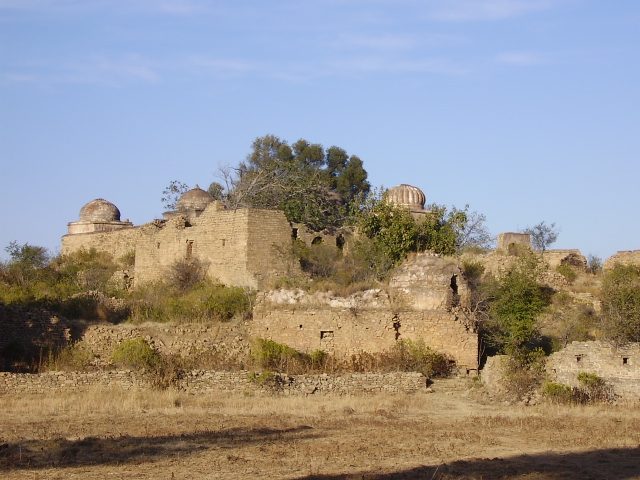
567,272
136,354
276,356
593,389
75,357
472,272
185,274
621,303
524,372
557,392
415,356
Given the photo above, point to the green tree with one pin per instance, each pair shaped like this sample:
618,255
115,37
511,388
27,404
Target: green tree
26,262
542,235
515,301
309,185
620,295
396,233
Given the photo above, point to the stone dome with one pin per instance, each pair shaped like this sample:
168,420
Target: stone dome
406,196
194,199
99,210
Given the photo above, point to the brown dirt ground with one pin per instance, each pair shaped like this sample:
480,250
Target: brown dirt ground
453,433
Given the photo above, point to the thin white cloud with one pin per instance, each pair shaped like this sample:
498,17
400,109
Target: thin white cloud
113,72
478,10
122,6
222,66
521,59
384,41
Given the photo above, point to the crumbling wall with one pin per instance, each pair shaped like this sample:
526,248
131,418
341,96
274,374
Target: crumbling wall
428,300
32,327
348,331
238,247
184,340
505,240
629,257
618,365
117,242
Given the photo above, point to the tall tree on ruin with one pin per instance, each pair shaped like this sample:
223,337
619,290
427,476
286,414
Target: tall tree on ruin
310,185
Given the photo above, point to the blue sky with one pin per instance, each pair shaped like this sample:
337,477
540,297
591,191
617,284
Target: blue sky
527,110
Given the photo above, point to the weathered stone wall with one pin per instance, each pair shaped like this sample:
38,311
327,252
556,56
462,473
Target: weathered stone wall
204,381
240,247
117,243
511,238
428,299
630,257
184,340
31,328
428,282
348,331
619,365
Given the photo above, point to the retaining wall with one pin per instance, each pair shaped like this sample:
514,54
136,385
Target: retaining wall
205,381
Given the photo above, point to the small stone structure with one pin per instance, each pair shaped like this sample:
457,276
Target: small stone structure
505,240
617,365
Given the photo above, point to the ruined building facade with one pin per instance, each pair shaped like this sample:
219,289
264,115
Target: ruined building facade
247,247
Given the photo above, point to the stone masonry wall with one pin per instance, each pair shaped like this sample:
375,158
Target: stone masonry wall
619,365
204,381
631,257
117,243
347,331
32,328
237,246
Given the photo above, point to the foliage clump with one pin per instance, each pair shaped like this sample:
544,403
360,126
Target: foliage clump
135,354
620,297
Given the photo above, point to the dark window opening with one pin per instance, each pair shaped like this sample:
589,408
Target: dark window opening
455,298
625,360
396,326
317,241
224,242
579,358
294,233
326,334
300,326
340,241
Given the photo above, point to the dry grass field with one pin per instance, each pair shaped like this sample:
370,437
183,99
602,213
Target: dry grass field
440,435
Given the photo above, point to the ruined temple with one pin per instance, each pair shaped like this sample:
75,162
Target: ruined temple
246,247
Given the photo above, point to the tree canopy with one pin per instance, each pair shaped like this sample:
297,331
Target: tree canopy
311,185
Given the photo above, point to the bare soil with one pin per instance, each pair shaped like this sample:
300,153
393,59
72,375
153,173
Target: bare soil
452,433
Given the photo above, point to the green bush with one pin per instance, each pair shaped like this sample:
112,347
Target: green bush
276,356
203,302
75,358
135,354
415,356
567,272
557,392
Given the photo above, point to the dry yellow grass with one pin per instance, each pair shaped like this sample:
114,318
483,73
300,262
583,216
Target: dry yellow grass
444,435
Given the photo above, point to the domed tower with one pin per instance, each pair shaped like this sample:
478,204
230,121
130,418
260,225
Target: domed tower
409,197
192,203
98,215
